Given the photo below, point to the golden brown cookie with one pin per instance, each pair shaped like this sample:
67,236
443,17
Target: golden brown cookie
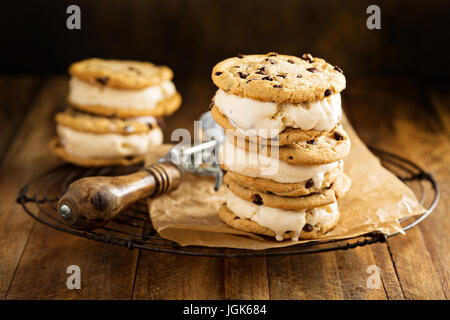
287,136
325,196
121,74
57,149
247,225
330,147
278,78
96,124
163,108
284,189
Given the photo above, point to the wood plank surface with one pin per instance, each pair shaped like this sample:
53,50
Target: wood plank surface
167,276
16,94
26,157
106,271
246,278
313,276
412,121
404,121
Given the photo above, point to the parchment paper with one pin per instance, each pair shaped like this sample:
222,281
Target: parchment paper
377,200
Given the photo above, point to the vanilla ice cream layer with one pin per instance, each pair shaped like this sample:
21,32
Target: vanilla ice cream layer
108,145
268,119
85,93
259,165
145,119
280,220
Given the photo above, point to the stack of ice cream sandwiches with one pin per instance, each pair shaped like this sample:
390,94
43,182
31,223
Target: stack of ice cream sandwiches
115,112
284,147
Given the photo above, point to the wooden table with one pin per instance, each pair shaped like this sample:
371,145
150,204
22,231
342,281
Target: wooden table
396,115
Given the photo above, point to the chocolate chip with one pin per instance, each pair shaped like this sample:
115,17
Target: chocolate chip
242,75
312,70
129,158
240,56
308,57
290,158
308,228
338,136
309,183
327,92
262,69
128,129
102,80
291,61
281,75
256,199
277,86
150,126
236,66
248,80
260,72
268,78
272,54
218,73
236,218
338,69
131,68
313,142
299,76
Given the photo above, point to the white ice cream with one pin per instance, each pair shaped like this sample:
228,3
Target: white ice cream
84,93
108,145
267,119
145,119
280,220
259,165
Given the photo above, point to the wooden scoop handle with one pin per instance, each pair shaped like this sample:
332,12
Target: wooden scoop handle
91,202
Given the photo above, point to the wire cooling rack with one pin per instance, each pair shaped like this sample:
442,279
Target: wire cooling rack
133,227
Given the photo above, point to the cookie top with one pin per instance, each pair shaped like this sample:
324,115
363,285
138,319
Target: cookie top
121,74
278,78
96,124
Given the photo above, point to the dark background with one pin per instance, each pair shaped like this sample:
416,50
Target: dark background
191,36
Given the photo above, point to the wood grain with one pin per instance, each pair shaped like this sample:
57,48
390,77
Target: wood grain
166,276
107,271
26,157
425,274
308,277
17,92
409,125
94,201
246,279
